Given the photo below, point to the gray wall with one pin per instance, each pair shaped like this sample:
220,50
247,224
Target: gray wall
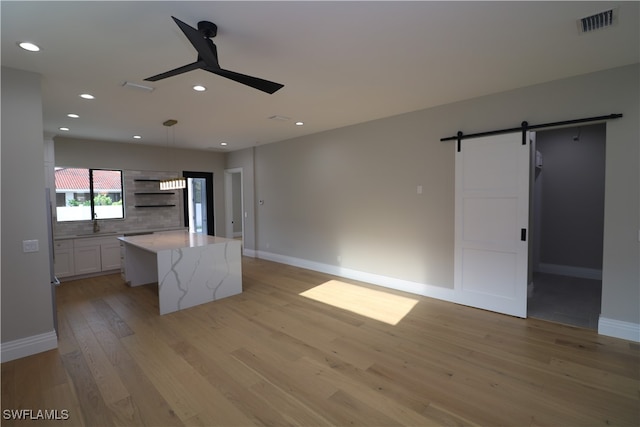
138,157
357,198
351,192
572,196
26,287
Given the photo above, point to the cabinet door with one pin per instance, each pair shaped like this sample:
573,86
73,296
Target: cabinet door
110,256
87,259
63,258
63,265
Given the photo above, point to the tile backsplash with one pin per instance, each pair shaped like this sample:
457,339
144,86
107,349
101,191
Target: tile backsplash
138,215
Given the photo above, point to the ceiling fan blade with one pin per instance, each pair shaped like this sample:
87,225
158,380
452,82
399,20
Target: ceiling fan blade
204,46
208,58
254,82
175,72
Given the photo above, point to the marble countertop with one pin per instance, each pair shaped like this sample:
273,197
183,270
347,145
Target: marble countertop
112,233
168,240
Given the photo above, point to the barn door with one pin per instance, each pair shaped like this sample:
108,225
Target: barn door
491,224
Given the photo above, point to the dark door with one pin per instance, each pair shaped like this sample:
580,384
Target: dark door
198,202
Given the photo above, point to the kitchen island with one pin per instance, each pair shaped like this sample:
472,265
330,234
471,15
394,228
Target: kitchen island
190,268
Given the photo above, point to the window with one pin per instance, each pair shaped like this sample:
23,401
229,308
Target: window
84,194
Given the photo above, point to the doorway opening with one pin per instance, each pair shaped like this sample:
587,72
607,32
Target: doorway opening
568,225
198,202
234,204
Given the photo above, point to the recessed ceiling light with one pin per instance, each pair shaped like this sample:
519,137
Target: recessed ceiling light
299,123
29,46
199,88
73,115
64,129
87,96
137,137
224,144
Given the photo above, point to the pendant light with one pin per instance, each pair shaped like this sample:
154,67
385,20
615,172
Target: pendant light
179,182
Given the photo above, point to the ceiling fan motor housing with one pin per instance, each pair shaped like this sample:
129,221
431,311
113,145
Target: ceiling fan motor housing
207,60
208,29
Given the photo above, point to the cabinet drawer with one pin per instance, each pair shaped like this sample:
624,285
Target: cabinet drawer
88,241
63,244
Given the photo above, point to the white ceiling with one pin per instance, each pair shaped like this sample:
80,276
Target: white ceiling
341,62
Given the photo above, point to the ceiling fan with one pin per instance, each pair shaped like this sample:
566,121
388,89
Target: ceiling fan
208,58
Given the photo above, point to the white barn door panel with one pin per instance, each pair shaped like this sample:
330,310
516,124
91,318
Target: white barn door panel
492,217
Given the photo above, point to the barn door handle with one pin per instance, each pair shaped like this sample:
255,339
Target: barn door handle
523,234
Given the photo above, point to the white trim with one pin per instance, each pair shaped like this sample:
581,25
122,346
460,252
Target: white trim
24,347
248,252
70,278
228,200
431,291
619,329
569,270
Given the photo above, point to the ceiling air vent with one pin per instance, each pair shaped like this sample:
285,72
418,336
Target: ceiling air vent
279,118
598,21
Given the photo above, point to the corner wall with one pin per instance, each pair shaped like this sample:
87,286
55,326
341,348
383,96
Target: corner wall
27,314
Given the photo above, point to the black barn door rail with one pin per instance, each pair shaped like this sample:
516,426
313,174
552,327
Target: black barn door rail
524,127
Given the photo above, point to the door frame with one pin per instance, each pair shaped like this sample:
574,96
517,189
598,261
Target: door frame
208,177
228,200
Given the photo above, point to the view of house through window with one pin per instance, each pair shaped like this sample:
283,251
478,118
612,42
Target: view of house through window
86,194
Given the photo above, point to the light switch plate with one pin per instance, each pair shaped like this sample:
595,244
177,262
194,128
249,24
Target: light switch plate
30,246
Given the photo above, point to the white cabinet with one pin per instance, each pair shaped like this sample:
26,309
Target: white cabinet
63,264
110,255
75,257
86,254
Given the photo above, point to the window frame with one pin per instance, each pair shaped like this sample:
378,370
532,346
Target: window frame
93,194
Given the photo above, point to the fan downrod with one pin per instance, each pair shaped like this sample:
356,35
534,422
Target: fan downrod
208,29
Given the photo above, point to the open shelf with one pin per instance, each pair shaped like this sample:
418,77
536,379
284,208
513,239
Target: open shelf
148,195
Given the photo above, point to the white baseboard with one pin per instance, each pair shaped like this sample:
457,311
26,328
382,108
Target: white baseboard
619,329
375,279
248,252
609,327
24,347
569,270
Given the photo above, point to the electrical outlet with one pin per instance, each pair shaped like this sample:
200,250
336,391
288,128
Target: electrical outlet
30,246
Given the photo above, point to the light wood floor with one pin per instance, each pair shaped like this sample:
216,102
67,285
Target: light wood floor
272,357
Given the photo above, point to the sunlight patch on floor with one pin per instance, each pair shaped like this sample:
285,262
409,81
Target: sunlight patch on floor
378,305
